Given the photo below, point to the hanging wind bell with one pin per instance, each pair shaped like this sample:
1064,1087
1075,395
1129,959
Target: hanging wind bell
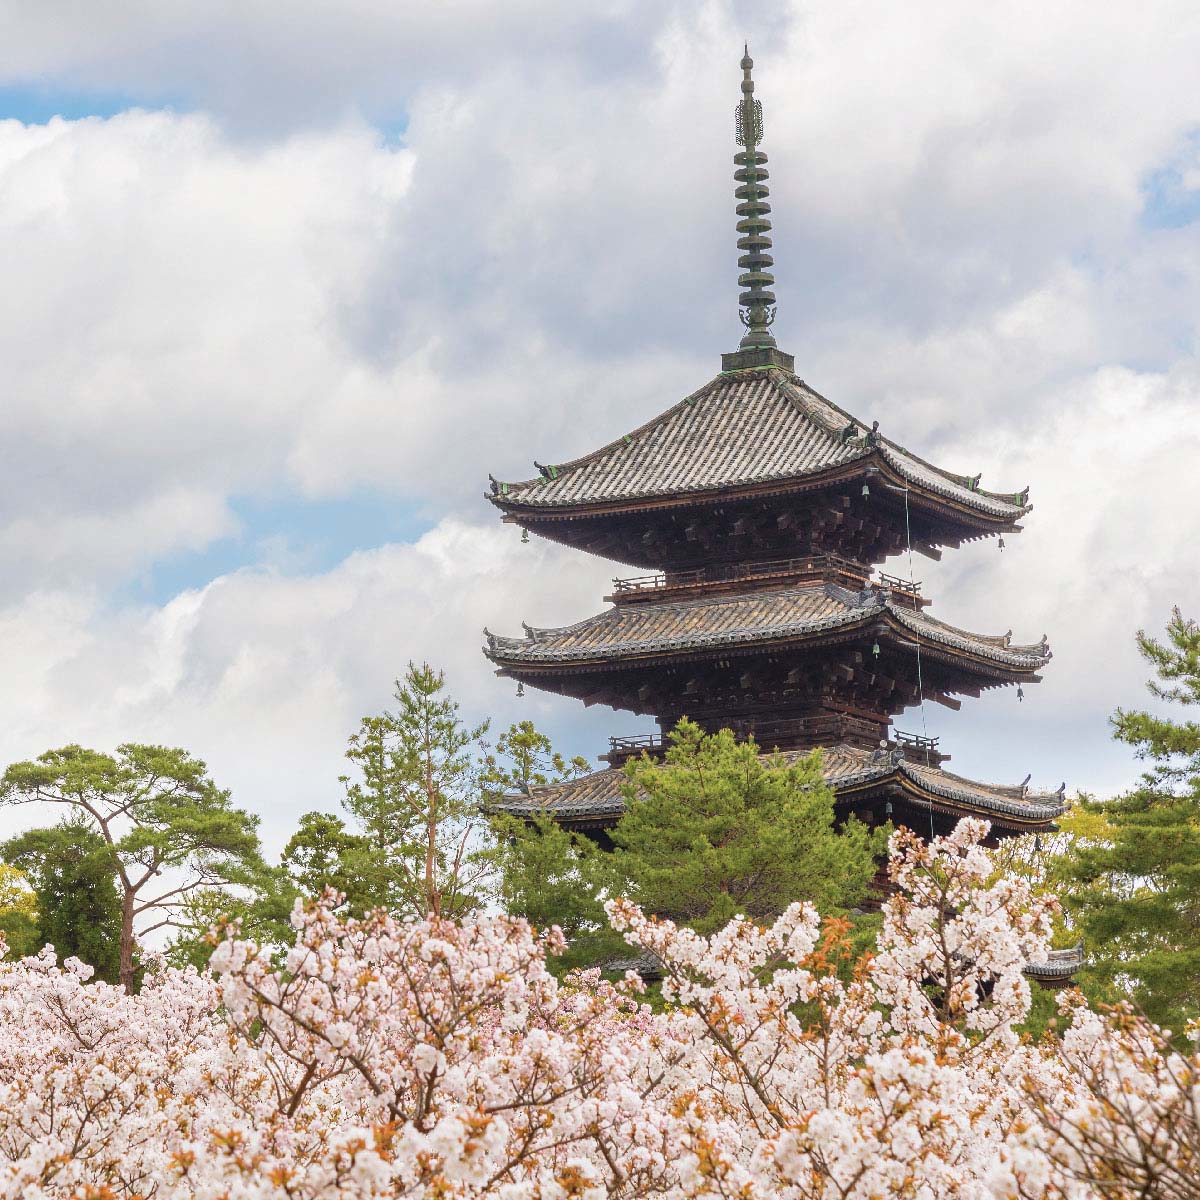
1020,693
875,649
520,690
524,536
1002,542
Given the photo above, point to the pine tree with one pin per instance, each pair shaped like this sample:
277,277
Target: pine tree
546,874
552,876
323,853
1136,894
74,886
416,799
524,757
166,828
715,830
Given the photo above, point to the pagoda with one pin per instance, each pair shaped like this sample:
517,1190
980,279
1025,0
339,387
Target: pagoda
757,512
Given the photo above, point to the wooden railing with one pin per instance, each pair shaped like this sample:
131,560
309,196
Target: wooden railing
896,584
815,730
822,728
728,572
916,740
635,743
919,748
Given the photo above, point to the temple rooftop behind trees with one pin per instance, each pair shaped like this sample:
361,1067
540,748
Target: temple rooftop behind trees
760,511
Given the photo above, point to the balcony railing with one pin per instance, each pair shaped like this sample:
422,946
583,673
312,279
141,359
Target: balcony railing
917,741
635,743
788,733
896,584
919,748
797,733
730,572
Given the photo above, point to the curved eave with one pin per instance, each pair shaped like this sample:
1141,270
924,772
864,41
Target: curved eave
1009,808
987,657
1014,816
881,462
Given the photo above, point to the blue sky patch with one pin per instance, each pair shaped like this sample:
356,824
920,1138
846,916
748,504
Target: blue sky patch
1172,192
289,534
35,104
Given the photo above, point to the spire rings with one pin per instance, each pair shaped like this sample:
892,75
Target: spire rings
756,301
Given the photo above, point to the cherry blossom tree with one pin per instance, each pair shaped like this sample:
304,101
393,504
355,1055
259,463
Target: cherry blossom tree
433,1058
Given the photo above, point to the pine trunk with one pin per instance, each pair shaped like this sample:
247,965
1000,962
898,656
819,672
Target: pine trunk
126,970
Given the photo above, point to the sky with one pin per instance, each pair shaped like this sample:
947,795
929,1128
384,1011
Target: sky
283,283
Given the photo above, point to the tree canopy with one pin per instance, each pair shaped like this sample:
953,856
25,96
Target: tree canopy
166,828
552,876
77,905
715,829
1134,891
415,794
18,914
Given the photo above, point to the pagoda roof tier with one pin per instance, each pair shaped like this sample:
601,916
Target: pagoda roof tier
627,634
596,801
749,433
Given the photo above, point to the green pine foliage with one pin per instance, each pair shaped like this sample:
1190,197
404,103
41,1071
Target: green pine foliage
323,853
1135,893
78,907
415,797
523,758
715,830
552,876
546,874
166,829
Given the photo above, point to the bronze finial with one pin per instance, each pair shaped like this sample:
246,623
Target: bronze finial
757,301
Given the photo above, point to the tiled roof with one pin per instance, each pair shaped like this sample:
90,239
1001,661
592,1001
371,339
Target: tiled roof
746,618
742,428
1058,964
597,797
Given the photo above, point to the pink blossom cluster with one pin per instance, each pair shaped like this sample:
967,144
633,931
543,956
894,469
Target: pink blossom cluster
429,1059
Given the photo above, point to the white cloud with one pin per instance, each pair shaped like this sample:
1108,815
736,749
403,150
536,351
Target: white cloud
266,675
265,297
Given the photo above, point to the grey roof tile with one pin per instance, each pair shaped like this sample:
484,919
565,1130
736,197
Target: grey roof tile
747,427
598,796
745,618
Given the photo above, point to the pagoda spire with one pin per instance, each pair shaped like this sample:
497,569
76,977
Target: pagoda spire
757,301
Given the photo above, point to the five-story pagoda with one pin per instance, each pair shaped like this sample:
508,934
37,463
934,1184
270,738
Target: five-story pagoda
762,510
